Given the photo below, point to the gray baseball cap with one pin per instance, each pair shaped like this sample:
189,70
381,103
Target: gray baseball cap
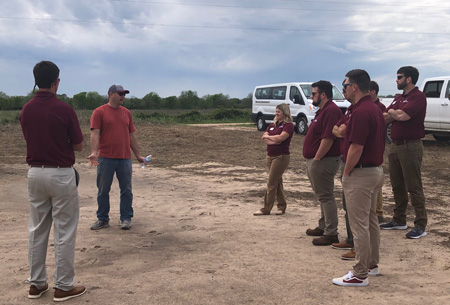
117,88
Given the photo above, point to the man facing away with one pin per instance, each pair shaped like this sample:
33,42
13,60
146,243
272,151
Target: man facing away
363,177
407,114
322,153
112,136
52,133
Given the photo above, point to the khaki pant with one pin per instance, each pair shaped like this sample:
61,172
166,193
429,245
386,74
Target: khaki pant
276,165
361,189
53,198
321,175
405,163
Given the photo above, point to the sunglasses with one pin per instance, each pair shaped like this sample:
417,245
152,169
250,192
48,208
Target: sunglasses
344,86
121,93
399,77
314,93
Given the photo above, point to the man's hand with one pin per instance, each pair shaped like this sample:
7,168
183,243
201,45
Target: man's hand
93,159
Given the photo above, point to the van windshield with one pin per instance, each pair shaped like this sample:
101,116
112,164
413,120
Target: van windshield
307,89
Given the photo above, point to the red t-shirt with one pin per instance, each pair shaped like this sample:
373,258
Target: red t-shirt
283,147
322,127
415,105
50,128
366,127
115,126
380,105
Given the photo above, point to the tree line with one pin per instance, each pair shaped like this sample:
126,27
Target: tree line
91,100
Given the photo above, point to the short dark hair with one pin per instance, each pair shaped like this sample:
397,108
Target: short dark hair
409,71
324,86
359,77
374,86
45,73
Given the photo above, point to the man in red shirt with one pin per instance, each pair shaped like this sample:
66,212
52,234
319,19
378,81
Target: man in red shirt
362,177
112,136
322,153
407,115
52,133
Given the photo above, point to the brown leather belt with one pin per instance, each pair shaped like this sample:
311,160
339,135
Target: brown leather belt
50,166
402,142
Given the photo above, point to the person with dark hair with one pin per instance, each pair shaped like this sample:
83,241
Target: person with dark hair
278,138
52,133
112,136
322,153
407,114
362,177
374,88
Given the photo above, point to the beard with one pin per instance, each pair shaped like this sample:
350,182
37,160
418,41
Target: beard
401,85
316,103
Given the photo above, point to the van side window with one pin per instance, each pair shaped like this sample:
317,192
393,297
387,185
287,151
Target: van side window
433,88
447,92
295,96
279,93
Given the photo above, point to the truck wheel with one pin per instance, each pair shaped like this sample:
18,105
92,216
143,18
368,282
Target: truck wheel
388,134
260,123
302,125
441,138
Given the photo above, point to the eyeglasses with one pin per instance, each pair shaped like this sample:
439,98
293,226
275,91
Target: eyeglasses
399,77
121,93
344,86
314,93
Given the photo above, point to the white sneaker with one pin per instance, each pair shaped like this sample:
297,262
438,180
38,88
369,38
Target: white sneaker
374,271
351,280
125,224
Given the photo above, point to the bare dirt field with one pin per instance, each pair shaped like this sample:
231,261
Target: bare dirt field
194,239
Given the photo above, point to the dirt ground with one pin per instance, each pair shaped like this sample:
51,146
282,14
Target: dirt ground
194,239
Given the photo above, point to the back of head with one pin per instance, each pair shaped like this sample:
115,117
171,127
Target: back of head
45,73
409,71
361,78
324,86
374,86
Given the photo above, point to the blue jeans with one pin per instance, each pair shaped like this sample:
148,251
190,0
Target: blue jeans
105,173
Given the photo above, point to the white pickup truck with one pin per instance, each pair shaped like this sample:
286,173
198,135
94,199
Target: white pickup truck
437,119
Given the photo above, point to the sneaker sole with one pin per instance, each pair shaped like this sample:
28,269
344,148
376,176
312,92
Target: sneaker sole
337,248
37,296
347,258
339,283
395,228
69,297
416,237
98,228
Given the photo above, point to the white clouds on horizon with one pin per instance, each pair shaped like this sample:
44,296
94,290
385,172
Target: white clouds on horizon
168,48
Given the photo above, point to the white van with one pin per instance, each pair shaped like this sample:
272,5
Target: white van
297,96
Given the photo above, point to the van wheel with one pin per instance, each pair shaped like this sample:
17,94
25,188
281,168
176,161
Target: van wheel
441,138
388,134
260,123
302,125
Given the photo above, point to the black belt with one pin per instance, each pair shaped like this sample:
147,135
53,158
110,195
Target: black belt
402,142
364,165
50,166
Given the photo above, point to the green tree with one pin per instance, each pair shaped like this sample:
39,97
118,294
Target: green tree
152,101
80,101
188,99
171,102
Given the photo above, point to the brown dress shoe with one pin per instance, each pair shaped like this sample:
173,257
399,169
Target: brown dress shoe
36,293
314,232
343,245
325,240
349,256
61,295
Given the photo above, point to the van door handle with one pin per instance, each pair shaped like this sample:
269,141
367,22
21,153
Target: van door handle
444,104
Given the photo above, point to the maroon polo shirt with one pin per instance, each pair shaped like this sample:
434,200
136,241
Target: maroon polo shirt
366,127
322,127
344,120
415,105
50,128
380,105
283,147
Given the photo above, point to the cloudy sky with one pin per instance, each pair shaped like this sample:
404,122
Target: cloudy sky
218,46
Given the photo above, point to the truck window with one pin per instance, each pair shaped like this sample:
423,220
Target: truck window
433,88
296,92
447,92
337,95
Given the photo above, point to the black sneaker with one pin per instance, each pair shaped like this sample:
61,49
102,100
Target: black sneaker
36,293
392,225
99,224
416,233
